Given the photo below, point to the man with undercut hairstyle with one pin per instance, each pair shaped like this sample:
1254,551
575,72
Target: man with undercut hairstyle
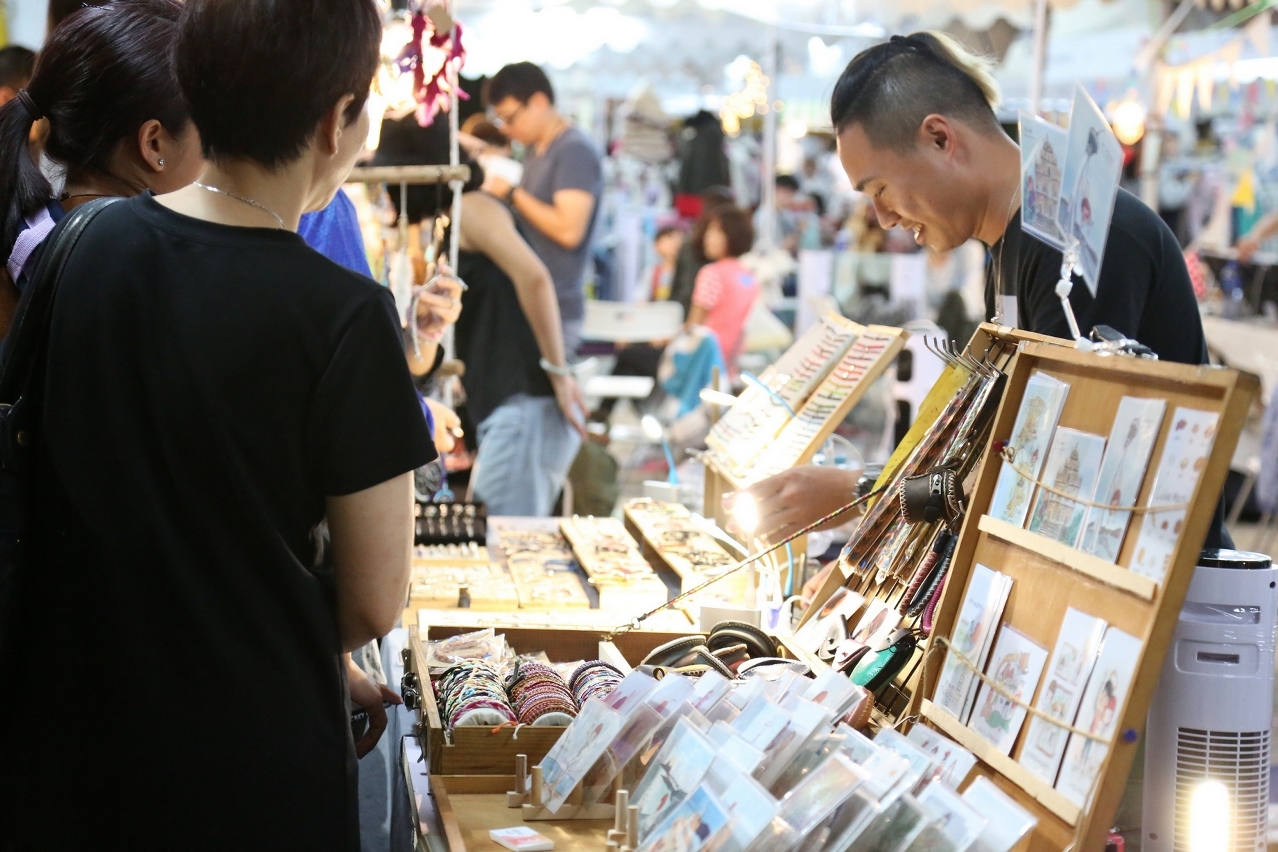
916,129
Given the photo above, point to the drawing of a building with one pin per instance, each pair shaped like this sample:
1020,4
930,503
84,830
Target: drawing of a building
1047,182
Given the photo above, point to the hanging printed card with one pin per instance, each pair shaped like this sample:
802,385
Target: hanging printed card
1184,459
1098,714
1016,665
1089,184
1072,468
1122,472
1043,147
1067,673
980,614
1031,436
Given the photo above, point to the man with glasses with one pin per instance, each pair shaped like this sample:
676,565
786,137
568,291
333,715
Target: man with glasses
556,201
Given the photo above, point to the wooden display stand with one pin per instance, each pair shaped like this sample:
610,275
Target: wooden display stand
1049,576
484,751
470,806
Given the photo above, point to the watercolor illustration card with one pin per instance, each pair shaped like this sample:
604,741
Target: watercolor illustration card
750,810
955,823
1017,666
1089,184
1031,436
1098,714
1043,147
690,827
1184,459
1071,665
978,617
1072,469
953,761
1007,821
581,745
816,797
675,772
1131,440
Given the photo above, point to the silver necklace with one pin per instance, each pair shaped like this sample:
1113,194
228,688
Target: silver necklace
1002,245
247,201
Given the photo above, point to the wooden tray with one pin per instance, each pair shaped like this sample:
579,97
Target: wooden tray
470,806
1049,576
483,751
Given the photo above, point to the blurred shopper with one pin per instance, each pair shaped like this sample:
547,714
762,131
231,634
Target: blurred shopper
17,64
216,391
557,201
691,258
726,290
117,126
657,281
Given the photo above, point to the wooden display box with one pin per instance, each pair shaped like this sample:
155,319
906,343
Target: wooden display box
482,751
470,806
1049,576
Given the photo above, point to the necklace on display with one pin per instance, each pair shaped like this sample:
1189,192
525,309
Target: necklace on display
241,198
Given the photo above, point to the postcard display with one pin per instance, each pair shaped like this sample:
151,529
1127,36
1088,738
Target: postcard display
781,420
1083,529
754,765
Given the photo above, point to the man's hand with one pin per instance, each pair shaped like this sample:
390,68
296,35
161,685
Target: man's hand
1247,246
447,425
439,307
571,403
496,186
370,696
795,498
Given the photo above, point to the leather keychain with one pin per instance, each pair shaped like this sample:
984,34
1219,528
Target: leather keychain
933,496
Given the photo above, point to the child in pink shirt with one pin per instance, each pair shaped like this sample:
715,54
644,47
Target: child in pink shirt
725,290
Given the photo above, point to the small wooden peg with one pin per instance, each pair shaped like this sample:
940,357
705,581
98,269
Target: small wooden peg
517,797
632,826
535,794
623,805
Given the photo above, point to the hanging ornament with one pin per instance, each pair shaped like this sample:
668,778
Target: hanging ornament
435,59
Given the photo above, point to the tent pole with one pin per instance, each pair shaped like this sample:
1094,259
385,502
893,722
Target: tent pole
768,161
1040,57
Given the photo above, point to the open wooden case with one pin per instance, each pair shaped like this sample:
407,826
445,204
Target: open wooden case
1048,576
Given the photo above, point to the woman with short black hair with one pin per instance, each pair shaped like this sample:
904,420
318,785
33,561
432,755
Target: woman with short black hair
216,391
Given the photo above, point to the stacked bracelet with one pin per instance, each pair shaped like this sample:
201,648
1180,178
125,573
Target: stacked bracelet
471,693
595,679
539,696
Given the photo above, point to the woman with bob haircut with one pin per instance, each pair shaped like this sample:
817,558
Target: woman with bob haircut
216,392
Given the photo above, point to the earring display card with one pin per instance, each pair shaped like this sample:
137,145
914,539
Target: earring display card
765,406
1031,436
1098,714
1072,468
863,363
1122,472
982,609
1070,667
1016,665
1184,458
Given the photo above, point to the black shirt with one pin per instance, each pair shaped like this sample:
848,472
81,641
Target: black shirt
175,680
1144,288
494,340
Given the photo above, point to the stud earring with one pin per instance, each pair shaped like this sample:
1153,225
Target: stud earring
161,161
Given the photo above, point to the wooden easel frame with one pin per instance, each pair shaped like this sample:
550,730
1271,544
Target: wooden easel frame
1049,577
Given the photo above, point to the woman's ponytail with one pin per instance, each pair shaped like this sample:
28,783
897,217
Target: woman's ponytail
23,187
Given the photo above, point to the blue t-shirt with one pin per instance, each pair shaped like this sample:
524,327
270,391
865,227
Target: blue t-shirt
334,232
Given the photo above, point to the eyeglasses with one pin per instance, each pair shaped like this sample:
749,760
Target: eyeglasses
500,122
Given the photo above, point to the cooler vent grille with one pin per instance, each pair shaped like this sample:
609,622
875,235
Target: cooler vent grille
1240,761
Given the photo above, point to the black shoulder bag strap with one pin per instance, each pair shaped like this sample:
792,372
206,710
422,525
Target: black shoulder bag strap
21,380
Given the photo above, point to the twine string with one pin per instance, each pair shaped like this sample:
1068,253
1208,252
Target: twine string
1009,455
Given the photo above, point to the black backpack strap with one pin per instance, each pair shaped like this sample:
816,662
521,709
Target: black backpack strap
29,335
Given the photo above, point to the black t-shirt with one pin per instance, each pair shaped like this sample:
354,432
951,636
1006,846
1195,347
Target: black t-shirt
494,340
1144,289
174,680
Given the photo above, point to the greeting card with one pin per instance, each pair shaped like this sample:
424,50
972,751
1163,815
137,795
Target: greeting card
980,613
1122,472
1072,468
1031,436
1184,459
1098,715
1007,822
675,772
1071,665
953,762
1016,665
